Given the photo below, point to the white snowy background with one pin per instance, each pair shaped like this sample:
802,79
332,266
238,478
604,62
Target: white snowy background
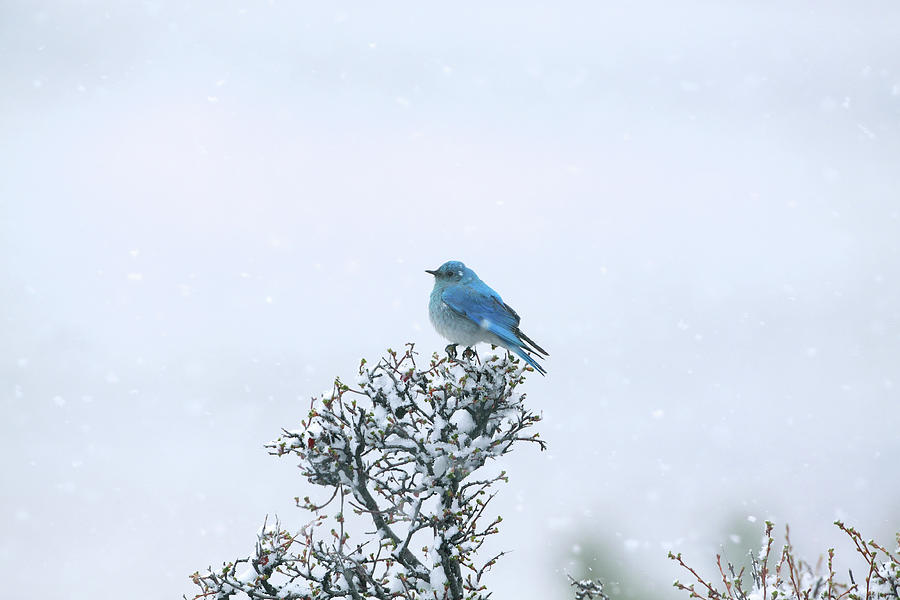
210,209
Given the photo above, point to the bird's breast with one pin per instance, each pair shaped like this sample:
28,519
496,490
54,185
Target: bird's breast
451,325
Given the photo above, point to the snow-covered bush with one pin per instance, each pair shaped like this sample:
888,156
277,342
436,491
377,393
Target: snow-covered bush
399,452
588,589
795,579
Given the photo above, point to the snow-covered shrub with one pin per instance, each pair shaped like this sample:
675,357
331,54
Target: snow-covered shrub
401,450
795,579
588,589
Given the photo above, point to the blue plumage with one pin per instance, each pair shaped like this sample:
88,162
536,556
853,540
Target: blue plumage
466,311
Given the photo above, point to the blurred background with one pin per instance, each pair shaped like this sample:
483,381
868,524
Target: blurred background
210,209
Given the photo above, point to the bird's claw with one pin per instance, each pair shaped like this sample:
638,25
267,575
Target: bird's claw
451,351
470,353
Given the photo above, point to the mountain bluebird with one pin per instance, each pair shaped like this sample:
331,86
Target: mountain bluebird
466,311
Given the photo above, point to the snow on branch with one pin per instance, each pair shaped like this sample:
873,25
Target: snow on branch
588,589
784,576
401,451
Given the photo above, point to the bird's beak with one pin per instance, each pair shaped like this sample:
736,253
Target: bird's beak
431,272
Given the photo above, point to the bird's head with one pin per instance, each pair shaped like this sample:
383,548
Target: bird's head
451,271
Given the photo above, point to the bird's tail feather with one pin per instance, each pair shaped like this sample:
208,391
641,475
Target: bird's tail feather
515,340
529,359
534,347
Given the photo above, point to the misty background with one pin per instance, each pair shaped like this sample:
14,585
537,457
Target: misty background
209,210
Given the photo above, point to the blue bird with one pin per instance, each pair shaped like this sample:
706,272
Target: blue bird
466,311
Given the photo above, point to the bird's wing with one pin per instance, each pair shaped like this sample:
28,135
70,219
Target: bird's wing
486,309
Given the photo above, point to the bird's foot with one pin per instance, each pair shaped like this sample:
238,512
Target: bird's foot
471,353
451,351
